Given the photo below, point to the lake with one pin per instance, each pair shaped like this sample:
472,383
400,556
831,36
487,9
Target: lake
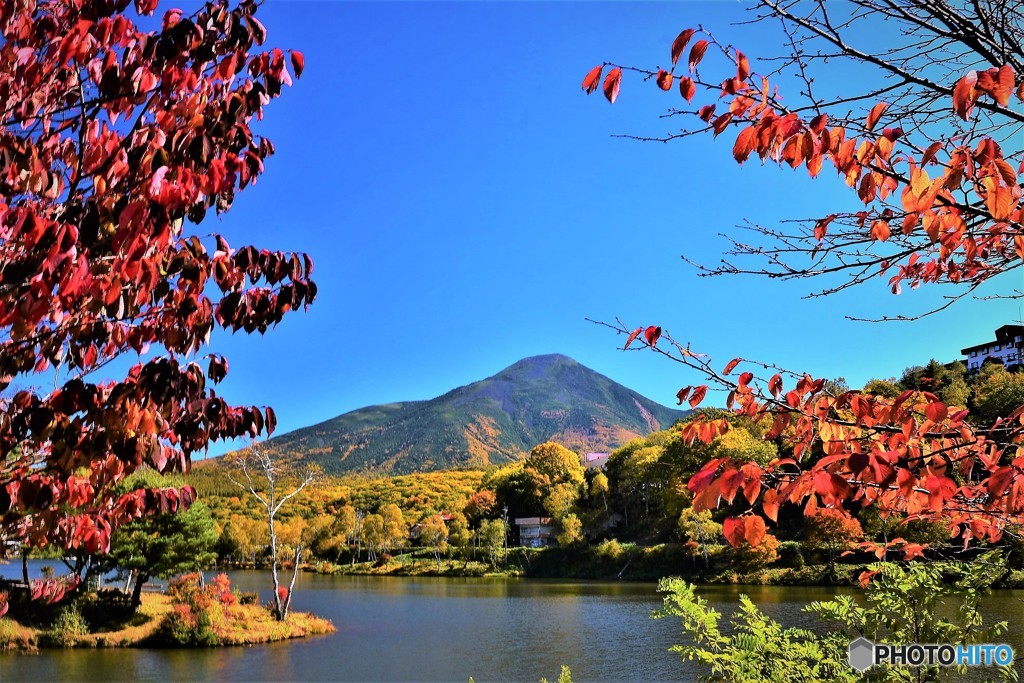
436,629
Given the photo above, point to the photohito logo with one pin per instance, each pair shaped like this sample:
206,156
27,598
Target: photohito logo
864,654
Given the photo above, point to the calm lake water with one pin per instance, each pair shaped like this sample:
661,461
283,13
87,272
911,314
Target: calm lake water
433,629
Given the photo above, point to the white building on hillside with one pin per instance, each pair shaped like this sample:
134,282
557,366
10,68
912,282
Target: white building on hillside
1008,348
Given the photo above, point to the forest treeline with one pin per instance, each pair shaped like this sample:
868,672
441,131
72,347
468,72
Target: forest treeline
636,509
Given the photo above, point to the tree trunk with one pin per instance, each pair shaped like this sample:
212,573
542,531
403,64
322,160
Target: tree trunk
24,565
278,606
140,579
291,586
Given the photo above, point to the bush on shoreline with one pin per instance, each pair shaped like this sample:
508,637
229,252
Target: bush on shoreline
189,615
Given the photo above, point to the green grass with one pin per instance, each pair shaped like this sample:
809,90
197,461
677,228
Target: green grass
245,625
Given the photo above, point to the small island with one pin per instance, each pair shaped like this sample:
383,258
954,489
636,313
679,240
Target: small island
188,614
86,608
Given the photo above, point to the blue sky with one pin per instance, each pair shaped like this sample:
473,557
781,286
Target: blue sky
466,205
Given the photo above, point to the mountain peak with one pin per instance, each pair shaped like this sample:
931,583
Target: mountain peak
548,358
540,363
498,419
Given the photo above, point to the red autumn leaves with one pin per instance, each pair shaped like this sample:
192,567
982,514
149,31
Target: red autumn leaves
872,452
695,395
951,205
997,82
911,455
956,250
664,78
651,335
99,256
738,530
611,82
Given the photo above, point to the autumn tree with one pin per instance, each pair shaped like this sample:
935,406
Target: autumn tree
921,531
550,465
459,534
570,530
886,388
560,499
997,393
599,488
491,535
118,136
317,534
346,525
832,530
514,489
395,529
948,383
480,505
374,535
434,535
636,476
920,131
266,481
754,557
252,537
700,529
648,476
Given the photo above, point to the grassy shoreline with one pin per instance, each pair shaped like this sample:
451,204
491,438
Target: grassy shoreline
242,625
636,563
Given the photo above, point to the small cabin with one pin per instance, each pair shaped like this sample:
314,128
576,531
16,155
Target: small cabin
535,532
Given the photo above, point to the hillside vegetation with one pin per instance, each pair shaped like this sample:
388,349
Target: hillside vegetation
492,421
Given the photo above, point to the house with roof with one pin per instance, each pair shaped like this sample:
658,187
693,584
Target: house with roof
536,532
1007,348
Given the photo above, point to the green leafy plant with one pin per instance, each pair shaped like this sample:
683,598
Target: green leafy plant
564,677
915,603
68,628
937,602
758,649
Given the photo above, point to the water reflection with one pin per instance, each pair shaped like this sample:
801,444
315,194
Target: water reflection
426,629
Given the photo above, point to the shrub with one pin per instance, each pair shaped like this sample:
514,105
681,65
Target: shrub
610,549
68,628
248,598
791,554
222,589
180,625
198,612
183,588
